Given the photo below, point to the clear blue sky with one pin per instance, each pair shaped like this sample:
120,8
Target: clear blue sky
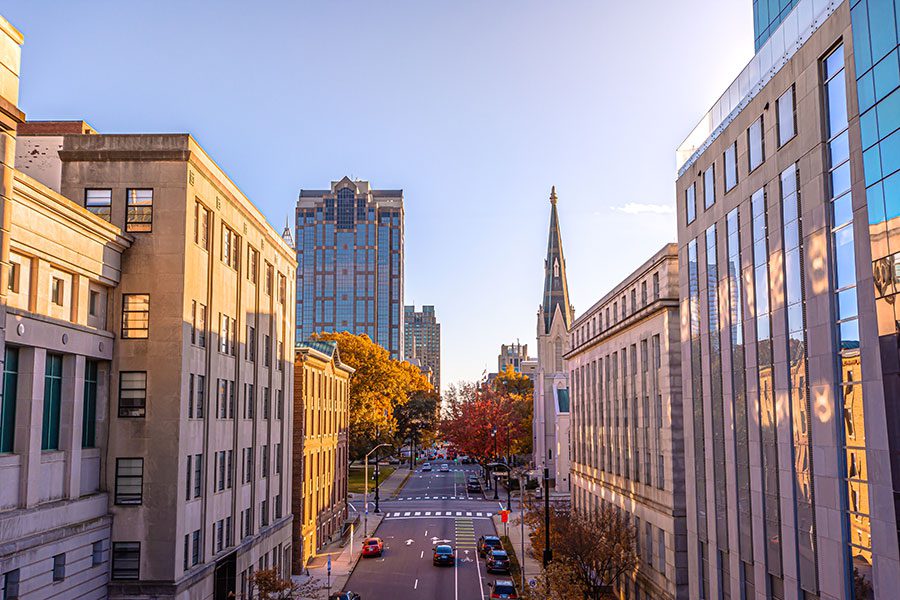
474,108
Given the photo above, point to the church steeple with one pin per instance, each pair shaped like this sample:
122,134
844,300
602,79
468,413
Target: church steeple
556,290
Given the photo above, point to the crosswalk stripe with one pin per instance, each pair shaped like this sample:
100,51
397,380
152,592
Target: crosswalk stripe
396,514
468,514
406,514
428,514
458,514
418,514
478,515
437,514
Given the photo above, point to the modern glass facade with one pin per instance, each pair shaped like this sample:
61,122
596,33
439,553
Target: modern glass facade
767,16
349,243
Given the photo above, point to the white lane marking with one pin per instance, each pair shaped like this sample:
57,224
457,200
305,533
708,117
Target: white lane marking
456,575
468,514
478,514
406,514
416,584
427,514
478,570
422,555
458,514
418,514
426,533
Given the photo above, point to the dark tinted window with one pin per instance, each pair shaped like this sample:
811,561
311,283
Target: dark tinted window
504,588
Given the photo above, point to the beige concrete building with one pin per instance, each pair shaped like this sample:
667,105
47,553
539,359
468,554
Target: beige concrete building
200,414
627,439
512,355
321,447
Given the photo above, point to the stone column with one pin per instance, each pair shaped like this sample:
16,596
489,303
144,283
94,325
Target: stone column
71,421
29,418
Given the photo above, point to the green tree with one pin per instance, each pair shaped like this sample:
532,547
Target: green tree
418,419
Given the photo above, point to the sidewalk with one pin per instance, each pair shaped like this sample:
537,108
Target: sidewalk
314,581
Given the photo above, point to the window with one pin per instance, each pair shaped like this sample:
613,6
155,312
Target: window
198,474
97,553
755,144
731,178
231,247
265,461
8,401
11,585
201,397
787,117
227,334
248,464
93,303
252,264
709,186
251,344
198,324
58,291
282,288
195,547
59,567
89,407
644,293
139,211
690,204
129,480
52,400
266,402
656,286
99,202
188,474
126,560
269,276
135,316
267,351
132,394
201,226
15,270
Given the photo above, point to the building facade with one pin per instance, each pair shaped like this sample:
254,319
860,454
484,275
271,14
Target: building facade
349,242
423,341
321,450
512,355
627,437
551,393
203,328
789,340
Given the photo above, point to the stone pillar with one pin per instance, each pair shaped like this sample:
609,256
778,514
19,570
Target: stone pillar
71,421
29,418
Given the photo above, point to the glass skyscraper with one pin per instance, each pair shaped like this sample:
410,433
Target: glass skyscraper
349,242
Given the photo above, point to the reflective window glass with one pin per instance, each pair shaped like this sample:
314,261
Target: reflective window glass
755,145
731,166
786,120
709,186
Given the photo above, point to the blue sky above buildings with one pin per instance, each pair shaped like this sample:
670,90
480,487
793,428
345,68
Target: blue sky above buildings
475,109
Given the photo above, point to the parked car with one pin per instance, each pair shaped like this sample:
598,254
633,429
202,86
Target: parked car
487,543
445,468
373,546
443,555
473,486
345,596
426,467
504,588
498,561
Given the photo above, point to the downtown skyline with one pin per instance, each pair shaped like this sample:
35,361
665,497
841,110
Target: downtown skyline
534,125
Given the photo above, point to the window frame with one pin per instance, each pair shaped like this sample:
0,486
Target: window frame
709,186
123,411
122,498
118,554
778,120
88,207
762,144
135,226
200,209
733,163
126,333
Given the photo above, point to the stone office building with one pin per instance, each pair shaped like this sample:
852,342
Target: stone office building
789,342
627,438
321,447
200,411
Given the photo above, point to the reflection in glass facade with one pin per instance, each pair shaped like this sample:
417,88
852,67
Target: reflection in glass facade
848,358
697,391
876,45
768,426
798,377
349,243
739,386
767,16
715,386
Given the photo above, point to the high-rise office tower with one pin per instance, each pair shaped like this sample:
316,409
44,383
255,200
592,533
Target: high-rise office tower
788,204
423,340
349,242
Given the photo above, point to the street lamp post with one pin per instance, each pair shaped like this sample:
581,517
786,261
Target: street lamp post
522,522
366,490
548,553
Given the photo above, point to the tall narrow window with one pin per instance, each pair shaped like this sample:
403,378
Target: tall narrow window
126,560
52,400
132,393
756,149
135,316
129,480
731,177
59,567
690,204
709,186
11,585
252,264
57,291
231,247
89,408
8,405
787,118
200,325
139,210
201,226
98,202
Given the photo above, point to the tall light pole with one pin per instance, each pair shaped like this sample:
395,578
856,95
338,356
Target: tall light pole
548,553
366,491
522,522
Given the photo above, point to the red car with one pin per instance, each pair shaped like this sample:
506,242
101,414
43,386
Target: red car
504,589
373,546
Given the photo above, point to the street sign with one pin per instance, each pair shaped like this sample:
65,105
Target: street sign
329,565
504,516
532,583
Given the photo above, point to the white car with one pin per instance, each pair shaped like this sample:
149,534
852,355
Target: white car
445,468
426,467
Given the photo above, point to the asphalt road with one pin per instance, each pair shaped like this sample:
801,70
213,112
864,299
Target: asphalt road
432,507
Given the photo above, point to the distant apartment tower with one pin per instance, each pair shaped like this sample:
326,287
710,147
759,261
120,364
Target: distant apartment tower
626,430
423,340
349,242
788,193
512,355
199,416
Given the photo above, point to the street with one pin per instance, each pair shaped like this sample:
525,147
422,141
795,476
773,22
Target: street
432,507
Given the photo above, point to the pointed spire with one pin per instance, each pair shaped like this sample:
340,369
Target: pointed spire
286,235
556,288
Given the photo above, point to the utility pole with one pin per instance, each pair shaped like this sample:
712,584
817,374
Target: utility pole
548,553
376,475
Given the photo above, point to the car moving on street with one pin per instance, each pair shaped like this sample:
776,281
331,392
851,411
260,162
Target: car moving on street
445,468
488,543
443,555
505,589
426,467
498,562
472,484
373,546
